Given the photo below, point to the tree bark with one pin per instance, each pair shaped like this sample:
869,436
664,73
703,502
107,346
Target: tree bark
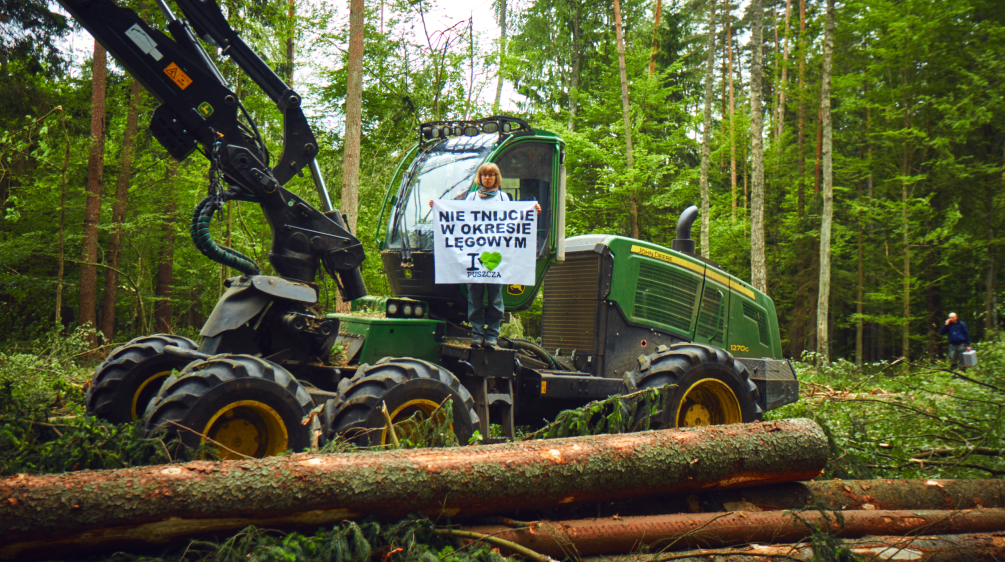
501,14
824,288
44,516
633,206
587,537
706,138
801,134
62,223
165,268
92,209
656,31
817,170
784,84
353,115
973,547
758,261
291,41
732,120
577,57
110,296
860,288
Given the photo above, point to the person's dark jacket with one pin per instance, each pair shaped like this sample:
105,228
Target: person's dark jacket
957,331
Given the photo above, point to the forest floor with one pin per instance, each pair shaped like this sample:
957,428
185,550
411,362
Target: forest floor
883,420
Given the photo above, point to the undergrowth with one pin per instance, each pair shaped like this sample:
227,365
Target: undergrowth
409,540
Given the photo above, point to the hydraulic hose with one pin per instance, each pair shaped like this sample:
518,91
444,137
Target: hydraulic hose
203,240
539,351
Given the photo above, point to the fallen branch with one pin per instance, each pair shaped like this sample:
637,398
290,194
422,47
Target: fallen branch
491,539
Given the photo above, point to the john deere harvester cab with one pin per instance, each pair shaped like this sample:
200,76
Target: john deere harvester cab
443,166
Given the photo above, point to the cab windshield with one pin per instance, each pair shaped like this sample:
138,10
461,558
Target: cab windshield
446,171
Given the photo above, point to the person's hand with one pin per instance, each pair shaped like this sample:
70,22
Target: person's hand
947,319
968,348
537,207
431,204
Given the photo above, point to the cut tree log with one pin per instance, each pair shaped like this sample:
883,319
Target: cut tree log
44,516
586,537
826,494
936,548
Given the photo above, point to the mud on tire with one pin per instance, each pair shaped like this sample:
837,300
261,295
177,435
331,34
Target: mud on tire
707,386
251,406
405,385
131,375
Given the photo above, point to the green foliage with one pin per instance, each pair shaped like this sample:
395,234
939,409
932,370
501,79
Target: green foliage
614,414
409,540
891,421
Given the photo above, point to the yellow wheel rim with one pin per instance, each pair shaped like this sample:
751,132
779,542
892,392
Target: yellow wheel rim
247,429
709,402
139,392
402,417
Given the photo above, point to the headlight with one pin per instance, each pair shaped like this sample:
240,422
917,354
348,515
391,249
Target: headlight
419,311
407,310
392,308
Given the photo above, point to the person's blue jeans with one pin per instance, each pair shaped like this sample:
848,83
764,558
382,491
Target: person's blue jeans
485,320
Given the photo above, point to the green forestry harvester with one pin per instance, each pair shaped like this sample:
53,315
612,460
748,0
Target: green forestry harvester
619,314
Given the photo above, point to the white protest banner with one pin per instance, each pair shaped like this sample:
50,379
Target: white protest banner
478,242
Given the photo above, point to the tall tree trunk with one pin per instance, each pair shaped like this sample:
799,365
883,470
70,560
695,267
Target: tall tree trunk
824,290
758,262
110,296
859,287
732,119
990,307
92,209
501,15
905,340
633,207
784,84
706,138
577,57
353,114
165,267
291,42
819,157
774,72
656,32
801,135
62,223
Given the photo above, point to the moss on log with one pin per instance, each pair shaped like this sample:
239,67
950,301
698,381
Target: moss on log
586,537
43,516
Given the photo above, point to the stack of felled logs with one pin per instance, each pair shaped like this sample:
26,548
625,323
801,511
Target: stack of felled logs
648,496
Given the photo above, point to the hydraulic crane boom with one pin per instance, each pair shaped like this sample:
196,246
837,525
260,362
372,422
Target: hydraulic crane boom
199,111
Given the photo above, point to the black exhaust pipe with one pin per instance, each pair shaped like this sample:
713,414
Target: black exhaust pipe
683,242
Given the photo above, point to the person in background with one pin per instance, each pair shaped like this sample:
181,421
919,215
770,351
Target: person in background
959,340
486,321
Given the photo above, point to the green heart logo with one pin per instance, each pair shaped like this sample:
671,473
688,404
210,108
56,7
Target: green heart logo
491,260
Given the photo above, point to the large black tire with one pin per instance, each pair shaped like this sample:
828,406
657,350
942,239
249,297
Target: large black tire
406,386
250,406
707,386
131,375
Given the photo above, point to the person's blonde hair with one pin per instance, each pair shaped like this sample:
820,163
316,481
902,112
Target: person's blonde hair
492,168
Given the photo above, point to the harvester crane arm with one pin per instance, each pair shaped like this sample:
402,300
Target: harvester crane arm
199,110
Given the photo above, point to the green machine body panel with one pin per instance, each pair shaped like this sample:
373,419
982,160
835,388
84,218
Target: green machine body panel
391,337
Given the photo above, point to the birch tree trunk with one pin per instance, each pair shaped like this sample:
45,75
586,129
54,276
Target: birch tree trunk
92,209
706,138
758,262
501,15
353,115
633,207
824,289
110,297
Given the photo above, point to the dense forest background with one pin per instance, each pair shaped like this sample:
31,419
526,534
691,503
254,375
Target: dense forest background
911,141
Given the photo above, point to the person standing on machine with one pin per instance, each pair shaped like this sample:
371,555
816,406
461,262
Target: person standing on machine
486,320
